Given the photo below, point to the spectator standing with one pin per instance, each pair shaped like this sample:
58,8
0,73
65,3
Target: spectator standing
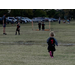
59,20
4,23
18,29
43,26
39,25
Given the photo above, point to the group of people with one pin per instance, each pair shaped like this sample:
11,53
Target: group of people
4,26
64,21
39,25
51,41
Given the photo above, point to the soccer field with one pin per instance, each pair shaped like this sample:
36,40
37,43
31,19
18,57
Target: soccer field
30,48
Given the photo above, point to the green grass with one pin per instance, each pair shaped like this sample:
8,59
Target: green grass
30,48
36,55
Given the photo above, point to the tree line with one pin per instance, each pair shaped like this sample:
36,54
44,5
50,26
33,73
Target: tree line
51,13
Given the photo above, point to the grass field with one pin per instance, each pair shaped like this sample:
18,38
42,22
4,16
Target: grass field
30,48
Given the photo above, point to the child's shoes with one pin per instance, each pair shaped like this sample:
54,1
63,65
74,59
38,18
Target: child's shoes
51,56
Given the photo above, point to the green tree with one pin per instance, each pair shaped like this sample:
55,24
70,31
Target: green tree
40,13
51,12
2,11
15,12
22,12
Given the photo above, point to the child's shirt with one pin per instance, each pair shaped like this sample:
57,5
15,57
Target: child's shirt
18,26
4,18
39,23
43,24
52,41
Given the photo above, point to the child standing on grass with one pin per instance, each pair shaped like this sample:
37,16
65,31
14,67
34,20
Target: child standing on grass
39,25
51,41
18,29
43,25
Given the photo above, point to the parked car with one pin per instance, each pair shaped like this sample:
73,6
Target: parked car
50,19
19,17
54,20
36,19
23,20
9,19
28,19
46,19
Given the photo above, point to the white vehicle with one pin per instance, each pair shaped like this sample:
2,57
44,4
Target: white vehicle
36,19
51,19
27,19
19,17
11,18
23,20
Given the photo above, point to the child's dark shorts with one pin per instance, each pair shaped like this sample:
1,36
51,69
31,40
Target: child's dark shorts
4,25
51,48
17,29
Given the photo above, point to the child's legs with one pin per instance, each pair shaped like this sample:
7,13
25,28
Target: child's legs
59,22
4,26
42,27
51,53
19,32
39,27
16,32
3,29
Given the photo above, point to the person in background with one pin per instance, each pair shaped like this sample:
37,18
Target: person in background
4,23
18,29
43,25
59,20
68,20
39,25
64,21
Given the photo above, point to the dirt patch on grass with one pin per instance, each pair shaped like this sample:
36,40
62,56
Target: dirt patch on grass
34,43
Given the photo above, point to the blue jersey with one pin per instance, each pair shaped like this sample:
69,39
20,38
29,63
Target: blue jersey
51,44
52,41
4,18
